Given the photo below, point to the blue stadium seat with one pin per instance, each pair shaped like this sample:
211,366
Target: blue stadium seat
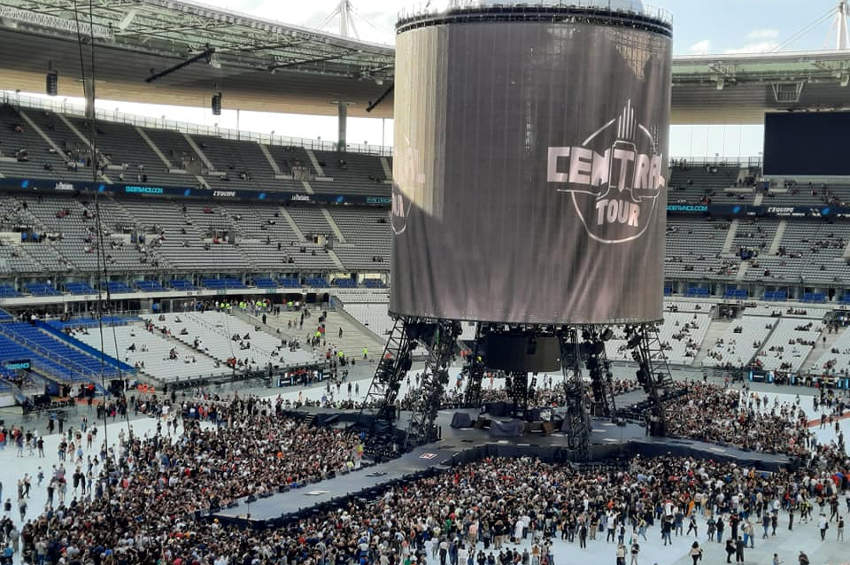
180,284
41,289
289,282
776,295
265,283
316,282
696,291
7,291
11,350
149,286
736,293
65,362
118,287
79,288
222,284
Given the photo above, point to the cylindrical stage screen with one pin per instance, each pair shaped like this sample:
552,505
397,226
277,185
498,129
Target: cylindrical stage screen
530,165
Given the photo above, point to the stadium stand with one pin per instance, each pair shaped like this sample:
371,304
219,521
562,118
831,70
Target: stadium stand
836,361
59,357
810,251
222,337
150,353
128,152
704,183
126,156
681,335
694,250
360,174
35,157
368,238
789,344
739,343
218,238
374,316
237,162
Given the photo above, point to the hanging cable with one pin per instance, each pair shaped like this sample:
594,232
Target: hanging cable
102,267
93,128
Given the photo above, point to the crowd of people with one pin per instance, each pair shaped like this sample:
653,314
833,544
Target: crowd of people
491,511
143,492
144,499
715,413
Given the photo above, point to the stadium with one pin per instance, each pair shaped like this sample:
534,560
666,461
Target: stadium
530,321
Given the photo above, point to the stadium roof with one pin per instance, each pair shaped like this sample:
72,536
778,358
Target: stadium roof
258,64
740,88
265,65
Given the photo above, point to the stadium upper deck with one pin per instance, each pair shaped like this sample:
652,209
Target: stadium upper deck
277,67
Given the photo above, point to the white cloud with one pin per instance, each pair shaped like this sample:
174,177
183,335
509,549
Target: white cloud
700,47
763,34
756,47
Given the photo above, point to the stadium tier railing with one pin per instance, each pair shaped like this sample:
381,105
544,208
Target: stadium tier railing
32,102
624,6
717,161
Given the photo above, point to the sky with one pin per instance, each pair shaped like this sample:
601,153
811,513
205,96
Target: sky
700,27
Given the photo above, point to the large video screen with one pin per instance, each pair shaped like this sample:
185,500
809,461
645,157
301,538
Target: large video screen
806,143
529,172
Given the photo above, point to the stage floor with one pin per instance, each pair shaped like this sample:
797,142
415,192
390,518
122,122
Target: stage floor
607,440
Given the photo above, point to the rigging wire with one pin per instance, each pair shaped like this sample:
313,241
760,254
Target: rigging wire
102,263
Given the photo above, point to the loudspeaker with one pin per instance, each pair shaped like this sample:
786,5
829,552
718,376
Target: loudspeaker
461,420
548,428
482,422
215,104
52,83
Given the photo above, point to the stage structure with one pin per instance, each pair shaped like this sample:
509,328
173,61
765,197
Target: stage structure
529,196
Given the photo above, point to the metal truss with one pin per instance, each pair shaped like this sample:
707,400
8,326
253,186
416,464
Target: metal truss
599,368
441,337
474,371
392,368
577,422
653,371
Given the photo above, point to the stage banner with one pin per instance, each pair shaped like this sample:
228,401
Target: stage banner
530,170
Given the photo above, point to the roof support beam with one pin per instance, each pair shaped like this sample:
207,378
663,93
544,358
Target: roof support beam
307,62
